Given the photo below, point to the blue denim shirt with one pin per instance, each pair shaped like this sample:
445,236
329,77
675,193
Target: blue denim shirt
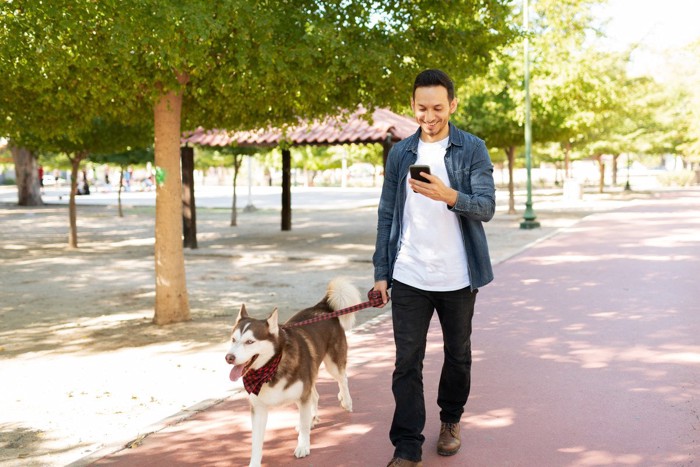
470,171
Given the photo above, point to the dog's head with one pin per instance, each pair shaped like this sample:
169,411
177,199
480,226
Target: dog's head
253,342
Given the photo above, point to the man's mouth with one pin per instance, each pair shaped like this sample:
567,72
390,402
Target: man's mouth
240,370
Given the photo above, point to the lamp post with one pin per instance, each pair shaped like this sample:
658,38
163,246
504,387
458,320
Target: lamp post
628,187
529,216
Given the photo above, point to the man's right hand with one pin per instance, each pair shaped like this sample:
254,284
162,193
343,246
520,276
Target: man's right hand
382,287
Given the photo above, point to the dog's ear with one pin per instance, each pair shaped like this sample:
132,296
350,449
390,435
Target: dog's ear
242,313
273,323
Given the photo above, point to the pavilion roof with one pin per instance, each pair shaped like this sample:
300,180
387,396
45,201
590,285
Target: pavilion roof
384,124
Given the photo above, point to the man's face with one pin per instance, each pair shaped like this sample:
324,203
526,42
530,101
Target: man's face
432,109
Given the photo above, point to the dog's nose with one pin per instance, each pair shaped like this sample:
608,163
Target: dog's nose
230,359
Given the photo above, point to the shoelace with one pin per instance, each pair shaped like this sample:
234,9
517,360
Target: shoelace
451,427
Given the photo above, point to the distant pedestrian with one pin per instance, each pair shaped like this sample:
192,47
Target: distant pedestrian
431,250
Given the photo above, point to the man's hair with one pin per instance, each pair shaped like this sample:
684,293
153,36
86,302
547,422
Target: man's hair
434,78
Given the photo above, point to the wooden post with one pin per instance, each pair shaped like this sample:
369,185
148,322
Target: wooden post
189,212
386,146
286,189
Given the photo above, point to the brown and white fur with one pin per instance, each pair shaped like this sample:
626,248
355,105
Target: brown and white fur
256,341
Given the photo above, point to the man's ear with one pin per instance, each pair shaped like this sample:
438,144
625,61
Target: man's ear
453,105
272,322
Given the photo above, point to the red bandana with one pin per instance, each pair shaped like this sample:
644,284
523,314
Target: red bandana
254,379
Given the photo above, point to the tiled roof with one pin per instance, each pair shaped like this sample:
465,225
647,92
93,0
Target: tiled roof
333,130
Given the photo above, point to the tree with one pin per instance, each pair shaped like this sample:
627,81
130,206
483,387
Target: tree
493,109
235,64
101,137
492,106
224,156
123,160
27,176
682,110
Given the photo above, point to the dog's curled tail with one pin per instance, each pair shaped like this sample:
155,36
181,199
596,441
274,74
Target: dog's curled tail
342,293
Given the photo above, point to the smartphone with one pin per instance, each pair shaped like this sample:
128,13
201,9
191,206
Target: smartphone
415,171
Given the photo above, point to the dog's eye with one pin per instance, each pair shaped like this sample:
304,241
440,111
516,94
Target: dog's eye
250,342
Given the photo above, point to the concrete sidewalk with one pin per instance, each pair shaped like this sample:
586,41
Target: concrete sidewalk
585,353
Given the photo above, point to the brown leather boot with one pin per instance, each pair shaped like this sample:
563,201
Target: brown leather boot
449,441
398,462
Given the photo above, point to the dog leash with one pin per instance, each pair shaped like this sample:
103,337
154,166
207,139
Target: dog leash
374,300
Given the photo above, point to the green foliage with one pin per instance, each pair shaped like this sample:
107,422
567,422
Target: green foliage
581,97
137,156
492,106
206,157
678,178
244,64
683,102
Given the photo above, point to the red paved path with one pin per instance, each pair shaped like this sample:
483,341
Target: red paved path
586,352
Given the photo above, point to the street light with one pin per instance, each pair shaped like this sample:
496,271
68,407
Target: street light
529,216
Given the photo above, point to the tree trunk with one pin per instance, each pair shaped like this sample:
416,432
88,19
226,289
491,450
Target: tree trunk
119,193
601,164
72,211
27,177
567,159
172,303
237,161
510,152
614,170
234,209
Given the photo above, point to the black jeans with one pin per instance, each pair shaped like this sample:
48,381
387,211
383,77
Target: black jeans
412,310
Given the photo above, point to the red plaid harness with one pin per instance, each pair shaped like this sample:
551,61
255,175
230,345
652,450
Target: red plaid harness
254,379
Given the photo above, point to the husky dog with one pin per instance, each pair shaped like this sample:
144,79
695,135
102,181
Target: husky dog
279,364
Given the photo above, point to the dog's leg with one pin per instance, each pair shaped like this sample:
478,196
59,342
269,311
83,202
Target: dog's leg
314,413
258,415
305,415
341,377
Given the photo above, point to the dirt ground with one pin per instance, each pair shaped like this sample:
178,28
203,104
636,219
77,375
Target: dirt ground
81,364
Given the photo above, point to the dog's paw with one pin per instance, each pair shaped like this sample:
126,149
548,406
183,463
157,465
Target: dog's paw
254,464
315,420
345,402
302,451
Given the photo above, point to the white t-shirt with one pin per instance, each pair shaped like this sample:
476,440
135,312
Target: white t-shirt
431,251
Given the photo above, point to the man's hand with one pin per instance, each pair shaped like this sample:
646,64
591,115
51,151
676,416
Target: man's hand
435,190
382,287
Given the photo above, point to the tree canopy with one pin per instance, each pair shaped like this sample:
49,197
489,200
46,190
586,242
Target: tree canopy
228,63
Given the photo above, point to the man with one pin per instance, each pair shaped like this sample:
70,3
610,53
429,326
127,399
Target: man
431,251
